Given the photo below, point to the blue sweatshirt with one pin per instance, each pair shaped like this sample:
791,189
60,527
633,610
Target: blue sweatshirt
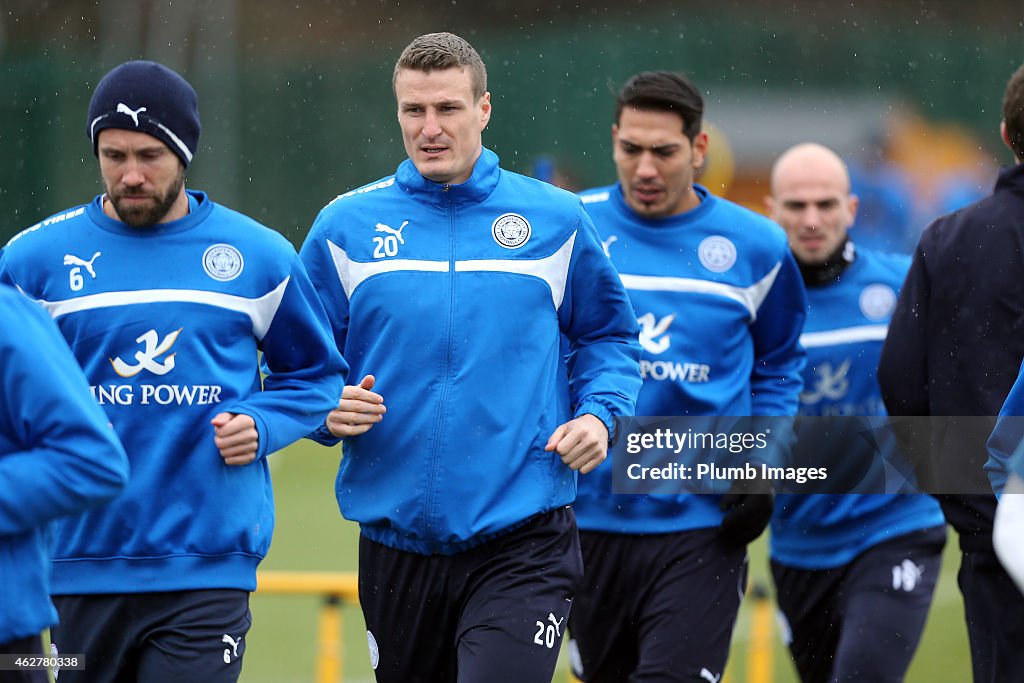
58,455
846,327
455,297
167,323
721,305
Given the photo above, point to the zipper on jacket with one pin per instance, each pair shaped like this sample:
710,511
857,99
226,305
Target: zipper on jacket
446,378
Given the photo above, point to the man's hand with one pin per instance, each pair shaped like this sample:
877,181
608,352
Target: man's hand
582,442
357,411
748,509
236,438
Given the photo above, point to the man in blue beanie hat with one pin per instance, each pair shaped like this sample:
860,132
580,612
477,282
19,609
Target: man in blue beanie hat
165,299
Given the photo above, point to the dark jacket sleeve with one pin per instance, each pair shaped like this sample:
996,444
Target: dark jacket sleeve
903,367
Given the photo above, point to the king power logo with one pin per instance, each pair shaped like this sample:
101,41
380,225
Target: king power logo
654,335
153,358
829,382
147,358
655,340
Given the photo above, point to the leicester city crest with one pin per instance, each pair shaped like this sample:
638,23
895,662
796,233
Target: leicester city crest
511,230
374,650
716,253
222,262
877,302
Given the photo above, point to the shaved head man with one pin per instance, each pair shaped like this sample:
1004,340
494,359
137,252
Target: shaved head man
836,558
811,199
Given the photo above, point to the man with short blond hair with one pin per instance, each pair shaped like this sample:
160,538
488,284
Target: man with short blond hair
440,51
450,286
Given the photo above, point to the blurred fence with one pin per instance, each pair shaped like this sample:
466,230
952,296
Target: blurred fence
296,98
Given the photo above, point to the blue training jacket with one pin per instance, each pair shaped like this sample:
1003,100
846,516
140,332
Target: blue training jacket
455,297
1006,443
846,326
58,455
721,305
168,322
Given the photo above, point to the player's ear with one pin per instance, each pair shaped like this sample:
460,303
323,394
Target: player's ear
852,202
700,149
1006,137
485,110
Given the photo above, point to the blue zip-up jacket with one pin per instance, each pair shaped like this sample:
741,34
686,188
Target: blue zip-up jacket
167,322
846,326
457,297
58,455
721,305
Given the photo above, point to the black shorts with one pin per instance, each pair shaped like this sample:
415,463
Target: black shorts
23,646
495,613
995,615
861,621
154,637
656,607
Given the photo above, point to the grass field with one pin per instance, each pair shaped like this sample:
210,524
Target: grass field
282,645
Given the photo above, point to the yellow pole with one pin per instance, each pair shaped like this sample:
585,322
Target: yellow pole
335,587
329,659
761,650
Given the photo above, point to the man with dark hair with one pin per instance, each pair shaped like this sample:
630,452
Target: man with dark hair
954,349
166,300
58,456
721,308
854,573
454,282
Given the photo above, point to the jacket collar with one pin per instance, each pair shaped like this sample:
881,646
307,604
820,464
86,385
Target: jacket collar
480,185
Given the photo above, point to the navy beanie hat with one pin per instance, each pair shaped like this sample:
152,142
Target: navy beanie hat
150,98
